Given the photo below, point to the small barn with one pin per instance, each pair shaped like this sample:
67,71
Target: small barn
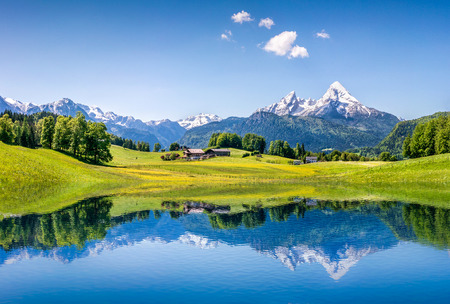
311,159
219,152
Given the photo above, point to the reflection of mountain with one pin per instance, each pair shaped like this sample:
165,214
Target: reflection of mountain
347,257
334,234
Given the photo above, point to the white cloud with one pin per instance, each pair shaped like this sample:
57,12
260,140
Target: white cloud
281,44
266,23
226,36
323,35
298,51
241,17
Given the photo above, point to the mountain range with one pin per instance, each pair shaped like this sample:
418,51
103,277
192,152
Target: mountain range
337,120
163,131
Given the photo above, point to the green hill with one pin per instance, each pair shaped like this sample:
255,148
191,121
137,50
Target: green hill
43,179
393,142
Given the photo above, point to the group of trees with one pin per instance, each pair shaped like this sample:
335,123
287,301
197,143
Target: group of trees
225,140
73,135
282,148
250,142
429,138
130,144
253,142
20,129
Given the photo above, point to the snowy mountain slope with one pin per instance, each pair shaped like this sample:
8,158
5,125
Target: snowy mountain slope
198,120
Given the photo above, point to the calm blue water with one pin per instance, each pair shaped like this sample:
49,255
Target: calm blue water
306,252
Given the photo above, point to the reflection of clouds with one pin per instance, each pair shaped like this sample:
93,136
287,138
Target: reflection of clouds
297,255
197,241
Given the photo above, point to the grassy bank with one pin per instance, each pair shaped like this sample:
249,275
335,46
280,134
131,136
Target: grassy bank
44,180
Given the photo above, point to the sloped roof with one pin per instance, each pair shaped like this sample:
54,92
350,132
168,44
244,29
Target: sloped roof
195,151
220,150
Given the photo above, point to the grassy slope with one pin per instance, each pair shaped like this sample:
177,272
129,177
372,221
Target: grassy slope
43,180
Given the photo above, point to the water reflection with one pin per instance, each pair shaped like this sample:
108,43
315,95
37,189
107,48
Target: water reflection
334,234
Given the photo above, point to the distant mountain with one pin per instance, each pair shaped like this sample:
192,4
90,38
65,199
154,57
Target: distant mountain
199,137
163,131
336,105
337,120
198,120
316,133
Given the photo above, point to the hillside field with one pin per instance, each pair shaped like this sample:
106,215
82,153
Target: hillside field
41,180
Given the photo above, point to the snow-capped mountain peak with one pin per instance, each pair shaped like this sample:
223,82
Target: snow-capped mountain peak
289,105
337,92
336,102
198,120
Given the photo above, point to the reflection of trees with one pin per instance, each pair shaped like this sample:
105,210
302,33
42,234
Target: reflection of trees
283,212
430,224
88,220
250,219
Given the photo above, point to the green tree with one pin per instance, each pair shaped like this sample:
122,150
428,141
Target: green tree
253,142
98,142
407,146
47,132
156,147
213,139
384,156
429,137
6,129
442,143
26,137
174,147
61,137
78,128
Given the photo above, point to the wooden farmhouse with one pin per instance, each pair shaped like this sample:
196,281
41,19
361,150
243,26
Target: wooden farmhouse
198,154
193,153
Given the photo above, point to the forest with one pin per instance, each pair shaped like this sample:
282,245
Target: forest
73,135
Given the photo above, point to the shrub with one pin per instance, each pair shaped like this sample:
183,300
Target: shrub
246,154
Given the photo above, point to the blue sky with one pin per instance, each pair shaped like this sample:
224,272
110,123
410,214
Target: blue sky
168,59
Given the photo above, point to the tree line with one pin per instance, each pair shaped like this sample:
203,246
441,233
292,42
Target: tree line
130,144
250,142
428,138
73,135
20,129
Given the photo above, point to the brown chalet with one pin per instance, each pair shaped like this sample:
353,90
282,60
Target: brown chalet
193,153
218,152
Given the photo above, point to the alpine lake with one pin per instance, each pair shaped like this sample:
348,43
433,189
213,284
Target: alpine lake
300,251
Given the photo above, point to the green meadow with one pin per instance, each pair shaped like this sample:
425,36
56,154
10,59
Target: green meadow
42,180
